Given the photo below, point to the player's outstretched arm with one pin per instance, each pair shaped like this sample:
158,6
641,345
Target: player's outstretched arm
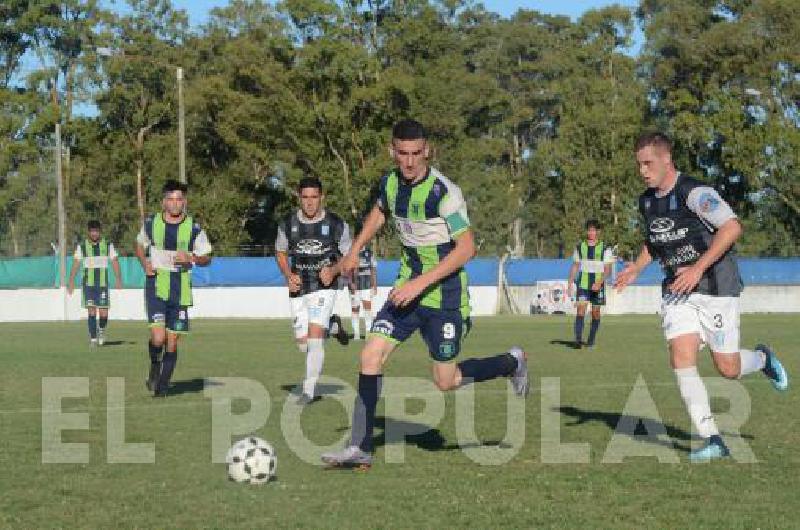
463,251
632,270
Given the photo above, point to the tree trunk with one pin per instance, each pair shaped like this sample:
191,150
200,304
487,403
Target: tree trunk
345,173
140,200
14,242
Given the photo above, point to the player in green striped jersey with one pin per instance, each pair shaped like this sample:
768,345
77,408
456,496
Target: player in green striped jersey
591,265
94,254
430,293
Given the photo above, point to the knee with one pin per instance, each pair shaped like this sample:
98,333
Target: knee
371,362
445,384
728,370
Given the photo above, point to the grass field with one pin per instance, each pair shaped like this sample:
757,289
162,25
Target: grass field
438,485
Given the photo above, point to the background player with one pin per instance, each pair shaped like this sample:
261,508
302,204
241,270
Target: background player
591,262
94,253
363,287
313,239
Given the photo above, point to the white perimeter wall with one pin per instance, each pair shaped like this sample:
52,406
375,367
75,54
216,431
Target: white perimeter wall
23,305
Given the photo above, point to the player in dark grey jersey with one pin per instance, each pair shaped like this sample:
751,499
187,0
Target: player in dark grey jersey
309,241
363,286
691,230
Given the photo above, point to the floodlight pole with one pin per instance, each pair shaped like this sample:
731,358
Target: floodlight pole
181,128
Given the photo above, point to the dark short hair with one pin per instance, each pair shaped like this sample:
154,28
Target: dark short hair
173,185
309,182
409,129
594,223
94,224
654,138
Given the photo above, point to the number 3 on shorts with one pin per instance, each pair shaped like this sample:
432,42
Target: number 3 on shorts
448,331
718,321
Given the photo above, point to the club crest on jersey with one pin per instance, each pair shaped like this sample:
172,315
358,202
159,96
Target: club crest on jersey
708,202
325,230
415,208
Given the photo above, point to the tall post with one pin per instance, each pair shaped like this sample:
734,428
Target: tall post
181,129
62,224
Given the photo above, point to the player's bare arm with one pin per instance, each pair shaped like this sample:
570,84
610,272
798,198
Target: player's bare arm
687,278
142,256
117,273
573,270
632,270
293,281
75,266
463,251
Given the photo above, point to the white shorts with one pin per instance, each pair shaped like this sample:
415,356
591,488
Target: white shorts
714,318
312,308
362,295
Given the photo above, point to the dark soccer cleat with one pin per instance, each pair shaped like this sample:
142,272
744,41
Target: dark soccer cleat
341,335
350,457
152,380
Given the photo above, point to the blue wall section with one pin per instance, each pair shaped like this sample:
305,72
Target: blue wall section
246,272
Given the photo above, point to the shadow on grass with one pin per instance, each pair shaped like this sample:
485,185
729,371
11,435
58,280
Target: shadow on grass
190,386
394,432
322,389
117,342
644,429
569,343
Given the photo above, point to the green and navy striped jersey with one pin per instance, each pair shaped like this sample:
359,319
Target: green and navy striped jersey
429,215
593,260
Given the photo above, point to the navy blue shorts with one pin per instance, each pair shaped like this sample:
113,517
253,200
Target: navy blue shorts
96,296
163,314
441,329
593,297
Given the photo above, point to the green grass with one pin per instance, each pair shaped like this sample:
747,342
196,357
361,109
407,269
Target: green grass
438,485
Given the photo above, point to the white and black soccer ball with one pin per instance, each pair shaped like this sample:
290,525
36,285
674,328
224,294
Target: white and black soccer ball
251,460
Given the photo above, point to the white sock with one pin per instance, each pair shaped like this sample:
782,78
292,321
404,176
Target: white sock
695,396
367,322
314,360
355,321
751,361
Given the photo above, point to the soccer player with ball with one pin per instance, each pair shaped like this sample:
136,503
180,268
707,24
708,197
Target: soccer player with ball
430,294
691,230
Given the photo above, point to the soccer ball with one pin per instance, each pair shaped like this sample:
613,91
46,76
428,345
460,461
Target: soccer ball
251,460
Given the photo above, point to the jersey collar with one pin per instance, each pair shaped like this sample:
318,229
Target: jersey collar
318,218
404,182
